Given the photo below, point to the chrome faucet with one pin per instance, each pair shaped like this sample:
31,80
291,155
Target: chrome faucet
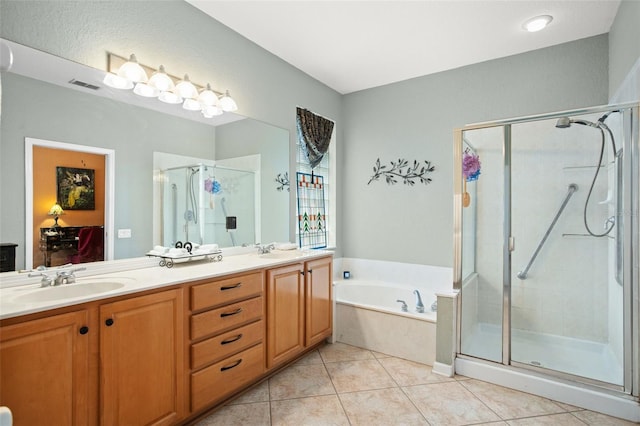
67,277
46,280
419,305
62,277
404,307
264,249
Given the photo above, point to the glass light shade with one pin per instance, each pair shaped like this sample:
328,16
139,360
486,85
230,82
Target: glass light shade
117,82
227,103
161,81
146,90
185,89
210,111
537,23
170,97
191,105
208,97
55,210
132,71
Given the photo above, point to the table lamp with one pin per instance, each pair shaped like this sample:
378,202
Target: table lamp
55,211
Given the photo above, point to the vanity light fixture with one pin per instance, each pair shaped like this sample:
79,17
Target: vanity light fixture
129,74
537,23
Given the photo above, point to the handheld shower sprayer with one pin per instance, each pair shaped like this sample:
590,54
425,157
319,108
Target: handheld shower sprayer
566,122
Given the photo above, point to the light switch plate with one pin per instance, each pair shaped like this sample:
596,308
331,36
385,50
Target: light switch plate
124,233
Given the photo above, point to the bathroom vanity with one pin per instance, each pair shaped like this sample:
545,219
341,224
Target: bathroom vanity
164,347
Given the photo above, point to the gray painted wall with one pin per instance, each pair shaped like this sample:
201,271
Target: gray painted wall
624,44
414,119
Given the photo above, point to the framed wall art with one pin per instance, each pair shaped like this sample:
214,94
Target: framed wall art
76,188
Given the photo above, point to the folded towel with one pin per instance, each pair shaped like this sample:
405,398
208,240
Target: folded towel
178,251
285,246
161,249
157,253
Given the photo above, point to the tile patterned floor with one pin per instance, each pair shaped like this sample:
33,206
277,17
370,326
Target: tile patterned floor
343,385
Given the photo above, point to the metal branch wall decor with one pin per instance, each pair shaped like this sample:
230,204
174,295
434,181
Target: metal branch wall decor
283,181
402,169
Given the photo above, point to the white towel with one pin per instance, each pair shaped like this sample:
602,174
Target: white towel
157,253
285,246
160,249
178,251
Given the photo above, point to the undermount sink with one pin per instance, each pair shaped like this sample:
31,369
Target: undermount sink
68,291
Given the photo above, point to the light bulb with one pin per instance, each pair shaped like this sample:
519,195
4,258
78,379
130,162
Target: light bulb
210,111
161,81
191,105
169,97
146,90
208,97
537,23
117,82
132,70
227,103
186,89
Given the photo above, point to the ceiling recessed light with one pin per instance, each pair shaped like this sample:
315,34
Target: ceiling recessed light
537,23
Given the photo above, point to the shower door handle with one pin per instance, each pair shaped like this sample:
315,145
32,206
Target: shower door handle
512,243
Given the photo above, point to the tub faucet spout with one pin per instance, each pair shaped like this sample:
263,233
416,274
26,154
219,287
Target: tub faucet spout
419,305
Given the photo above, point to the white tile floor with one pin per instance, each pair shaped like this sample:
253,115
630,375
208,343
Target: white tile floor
344,385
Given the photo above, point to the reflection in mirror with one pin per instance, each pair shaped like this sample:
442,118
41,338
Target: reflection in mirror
134,129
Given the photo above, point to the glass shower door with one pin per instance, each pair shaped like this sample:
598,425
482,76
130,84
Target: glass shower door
566,304
482,243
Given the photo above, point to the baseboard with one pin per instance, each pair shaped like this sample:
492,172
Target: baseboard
443,369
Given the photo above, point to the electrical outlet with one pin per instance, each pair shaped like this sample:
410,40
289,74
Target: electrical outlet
124,233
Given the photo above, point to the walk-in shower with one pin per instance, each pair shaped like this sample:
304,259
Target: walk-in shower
198,198
547,249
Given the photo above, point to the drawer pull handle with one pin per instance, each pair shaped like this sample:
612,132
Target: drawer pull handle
228,314
233,339
234,365
230,287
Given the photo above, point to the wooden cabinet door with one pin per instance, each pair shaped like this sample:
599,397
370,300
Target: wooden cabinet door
44,370
285,313
319,306
142,354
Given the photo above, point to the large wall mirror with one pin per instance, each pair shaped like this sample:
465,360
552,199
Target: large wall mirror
154,148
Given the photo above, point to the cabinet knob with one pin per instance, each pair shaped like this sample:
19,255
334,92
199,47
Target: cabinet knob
310,271
109,322
301,272
84,329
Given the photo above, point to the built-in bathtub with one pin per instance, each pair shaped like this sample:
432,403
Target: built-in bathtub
368,315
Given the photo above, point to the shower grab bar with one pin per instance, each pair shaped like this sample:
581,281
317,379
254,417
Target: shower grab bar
523,274
174,205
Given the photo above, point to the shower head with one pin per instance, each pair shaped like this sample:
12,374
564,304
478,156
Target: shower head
564,122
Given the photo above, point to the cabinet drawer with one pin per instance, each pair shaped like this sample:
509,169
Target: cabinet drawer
226,317
225,377
209,295
223,345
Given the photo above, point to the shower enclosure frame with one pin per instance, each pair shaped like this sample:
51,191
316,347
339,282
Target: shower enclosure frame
630,273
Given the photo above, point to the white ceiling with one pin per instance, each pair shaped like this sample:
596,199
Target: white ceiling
352,45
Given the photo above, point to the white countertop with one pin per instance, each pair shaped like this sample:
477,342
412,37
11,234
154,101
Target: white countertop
137,280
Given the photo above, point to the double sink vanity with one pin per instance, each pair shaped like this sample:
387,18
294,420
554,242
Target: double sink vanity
156,345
